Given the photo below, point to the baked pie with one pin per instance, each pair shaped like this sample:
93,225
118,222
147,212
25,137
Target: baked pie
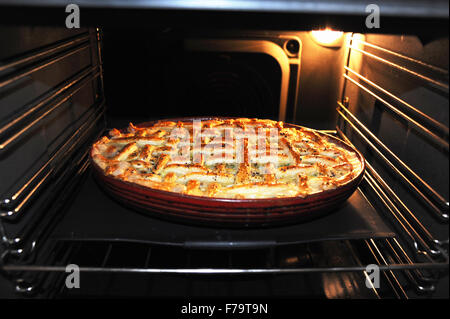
238,158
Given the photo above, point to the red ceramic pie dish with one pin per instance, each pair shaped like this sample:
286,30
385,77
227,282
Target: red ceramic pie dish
225,212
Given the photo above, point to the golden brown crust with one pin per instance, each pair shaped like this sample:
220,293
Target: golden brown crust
231,158
162,161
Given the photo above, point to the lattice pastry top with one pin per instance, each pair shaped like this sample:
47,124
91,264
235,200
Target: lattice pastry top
226,158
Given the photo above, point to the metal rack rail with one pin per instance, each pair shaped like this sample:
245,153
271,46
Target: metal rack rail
17,206
437,202
419,239
387,259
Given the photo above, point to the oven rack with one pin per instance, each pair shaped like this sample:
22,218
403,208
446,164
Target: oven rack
418,237
35,237
349,127
47,173
400,278
428,246
31,235
27,210
388,253
402,269
16,205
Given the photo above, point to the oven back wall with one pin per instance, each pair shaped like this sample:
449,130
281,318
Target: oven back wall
149,74
320,82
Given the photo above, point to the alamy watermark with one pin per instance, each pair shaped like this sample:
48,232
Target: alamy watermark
73,278
73,19
373,19
230,144
372,276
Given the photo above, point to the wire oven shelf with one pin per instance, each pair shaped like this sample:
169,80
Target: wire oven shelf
310,259
388,253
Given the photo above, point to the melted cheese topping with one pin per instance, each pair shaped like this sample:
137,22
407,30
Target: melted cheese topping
232,158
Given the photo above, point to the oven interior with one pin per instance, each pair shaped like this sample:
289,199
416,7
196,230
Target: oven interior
61,89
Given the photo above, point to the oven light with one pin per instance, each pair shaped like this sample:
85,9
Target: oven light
327,37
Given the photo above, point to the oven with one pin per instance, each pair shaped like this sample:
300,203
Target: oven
377,82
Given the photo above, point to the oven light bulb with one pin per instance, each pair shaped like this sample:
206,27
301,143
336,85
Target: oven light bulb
327,36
